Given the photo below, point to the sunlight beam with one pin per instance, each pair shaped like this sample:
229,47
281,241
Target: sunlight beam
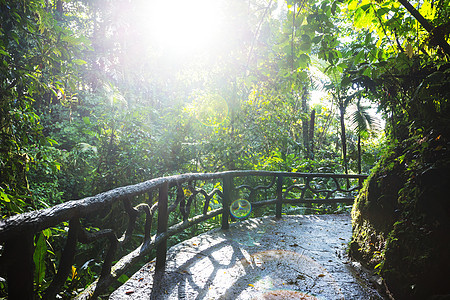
182,26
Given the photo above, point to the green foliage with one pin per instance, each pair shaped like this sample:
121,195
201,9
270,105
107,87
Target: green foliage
33,73
88,104
39,256
409,79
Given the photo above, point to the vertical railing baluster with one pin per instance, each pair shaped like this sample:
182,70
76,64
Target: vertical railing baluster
161,250
66,260
279,204
20,269
182,202
226,200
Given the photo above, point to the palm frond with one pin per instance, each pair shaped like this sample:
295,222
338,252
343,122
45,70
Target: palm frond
363,120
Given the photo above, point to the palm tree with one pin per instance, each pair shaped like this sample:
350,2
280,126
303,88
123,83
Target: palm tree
363,121
339,86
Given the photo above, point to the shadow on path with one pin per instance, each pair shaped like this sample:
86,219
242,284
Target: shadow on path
297,257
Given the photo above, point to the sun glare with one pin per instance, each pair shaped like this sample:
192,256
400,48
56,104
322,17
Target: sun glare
183,26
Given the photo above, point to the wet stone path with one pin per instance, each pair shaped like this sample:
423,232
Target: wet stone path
296,257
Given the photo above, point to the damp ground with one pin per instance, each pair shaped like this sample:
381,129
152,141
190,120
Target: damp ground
296,257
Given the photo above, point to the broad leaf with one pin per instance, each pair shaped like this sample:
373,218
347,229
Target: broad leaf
39,256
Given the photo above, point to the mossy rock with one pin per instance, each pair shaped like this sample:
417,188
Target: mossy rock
375,211
401,221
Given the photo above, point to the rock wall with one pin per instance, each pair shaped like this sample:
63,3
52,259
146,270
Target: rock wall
401,219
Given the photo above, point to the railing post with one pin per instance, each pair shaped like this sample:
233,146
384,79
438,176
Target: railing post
226,200
161,249
279,197
20,270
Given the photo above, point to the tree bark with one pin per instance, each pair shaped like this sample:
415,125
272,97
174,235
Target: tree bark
305,119
311,134
359,153
343,136
343,140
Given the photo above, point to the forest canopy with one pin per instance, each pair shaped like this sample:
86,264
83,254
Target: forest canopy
100,94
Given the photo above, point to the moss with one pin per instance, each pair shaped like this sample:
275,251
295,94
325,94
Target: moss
401,219
416,261
375,211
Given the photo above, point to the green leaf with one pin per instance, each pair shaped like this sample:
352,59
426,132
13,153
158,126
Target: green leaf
365,7
4,197
367,72
15,37
39,256
343,65
30,28
306,38
306,43
123,278
71,40
359,57
346,81
56,52
317,39
303,61
56,166
333,7
382,11
47,232
79,62
368,39
51,141
3,52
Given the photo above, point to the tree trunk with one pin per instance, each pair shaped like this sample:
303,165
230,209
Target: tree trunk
305,119
59,7
344,140
311,134
359,153
343,136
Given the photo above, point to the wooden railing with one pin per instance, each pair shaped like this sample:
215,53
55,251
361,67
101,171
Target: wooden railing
168,199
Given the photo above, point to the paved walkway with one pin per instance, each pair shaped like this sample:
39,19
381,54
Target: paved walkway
297,257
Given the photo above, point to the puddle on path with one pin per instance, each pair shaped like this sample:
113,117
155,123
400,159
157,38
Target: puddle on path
297,257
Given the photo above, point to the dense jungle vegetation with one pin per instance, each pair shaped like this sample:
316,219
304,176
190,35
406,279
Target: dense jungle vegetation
106,93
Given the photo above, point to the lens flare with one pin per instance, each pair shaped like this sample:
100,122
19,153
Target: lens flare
240,208
210,109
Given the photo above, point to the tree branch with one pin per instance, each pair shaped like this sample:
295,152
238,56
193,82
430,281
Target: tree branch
437,36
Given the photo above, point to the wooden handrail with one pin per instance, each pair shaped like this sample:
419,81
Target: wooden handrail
15,232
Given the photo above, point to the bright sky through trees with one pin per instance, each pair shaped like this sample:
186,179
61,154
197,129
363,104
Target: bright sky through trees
183,26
